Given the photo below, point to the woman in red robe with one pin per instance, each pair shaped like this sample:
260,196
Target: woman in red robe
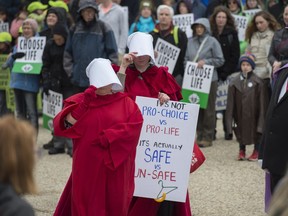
105,127
143,78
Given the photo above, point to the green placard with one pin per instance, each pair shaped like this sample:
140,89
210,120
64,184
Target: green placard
27,68
195,97
47,122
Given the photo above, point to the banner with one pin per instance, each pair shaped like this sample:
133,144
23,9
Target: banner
196,84
167,54
184,22
33,48
4,74
165,149
52,105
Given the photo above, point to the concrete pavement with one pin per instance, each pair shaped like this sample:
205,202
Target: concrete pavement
222,186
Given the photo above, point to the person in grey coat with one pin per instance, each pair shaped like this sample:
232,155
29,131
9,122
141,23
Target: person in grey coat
210,54
90,38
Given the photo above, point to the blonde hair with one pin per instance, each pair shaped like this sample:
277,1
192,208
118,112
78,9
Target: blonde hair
17,154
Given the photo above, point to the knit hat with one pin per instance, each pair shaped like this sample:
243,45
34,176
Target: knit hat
36,6
32,22
87,4
60,29
248,57
146,3
60,4
5,37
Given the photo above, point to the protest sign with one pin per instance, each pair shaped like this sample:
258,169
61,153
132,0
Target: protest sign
165,149
10,99
52,105
33,48
4,74
4,27
167,54
184,22
222,93
241,23
252,12
196,84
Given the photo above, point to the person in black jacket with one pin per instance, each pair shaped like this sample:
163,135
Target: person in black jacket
274,148
224,30
54,15
17,161
56,79
166,31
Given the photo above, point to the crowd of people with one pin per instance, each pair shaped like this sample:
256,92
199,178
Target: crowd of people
84,36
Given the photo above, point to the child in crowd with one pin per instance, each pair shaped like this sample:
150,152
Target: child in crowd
145,21
245,111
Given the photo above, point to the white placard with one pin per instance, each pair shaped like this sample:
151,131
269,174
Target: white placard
33,49
4,27
167,54
165,149
184,22
241,23
222,93
52,104
198,79
196,84
252,12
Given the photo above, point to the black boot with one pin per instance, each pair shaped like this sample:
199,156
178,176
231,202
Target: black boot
49,145
56,151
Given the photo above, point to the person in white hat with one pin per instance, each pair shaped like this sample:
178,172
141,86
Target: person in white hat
143,78
105,126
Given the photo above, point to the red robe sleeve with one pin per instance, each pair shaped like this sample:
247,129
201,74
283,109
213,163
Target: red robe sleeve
121,139
58,121
170,86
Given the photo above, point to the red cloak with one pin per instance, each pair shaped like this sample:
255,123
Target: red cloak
102,179
149,84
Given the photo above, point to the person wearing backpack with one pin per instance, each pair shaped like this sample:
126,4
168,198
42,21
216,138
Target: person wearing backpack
90,38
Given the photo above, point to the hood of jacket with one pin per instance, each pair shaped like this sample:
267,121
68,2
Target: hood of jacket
204,22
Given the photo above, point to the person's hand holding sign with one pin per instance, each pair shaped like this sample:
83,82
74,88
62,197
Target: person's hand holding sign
200,63
163,98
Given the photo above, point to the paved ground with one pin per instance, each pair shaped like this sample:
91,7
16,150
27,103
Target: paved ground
222,186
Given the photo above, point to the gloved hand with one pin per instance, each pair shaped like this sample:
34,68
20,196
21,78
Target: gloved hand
46,86
89,95
18,55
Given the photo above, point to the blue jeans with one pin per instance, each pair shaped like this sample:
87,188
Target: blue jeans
26,106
